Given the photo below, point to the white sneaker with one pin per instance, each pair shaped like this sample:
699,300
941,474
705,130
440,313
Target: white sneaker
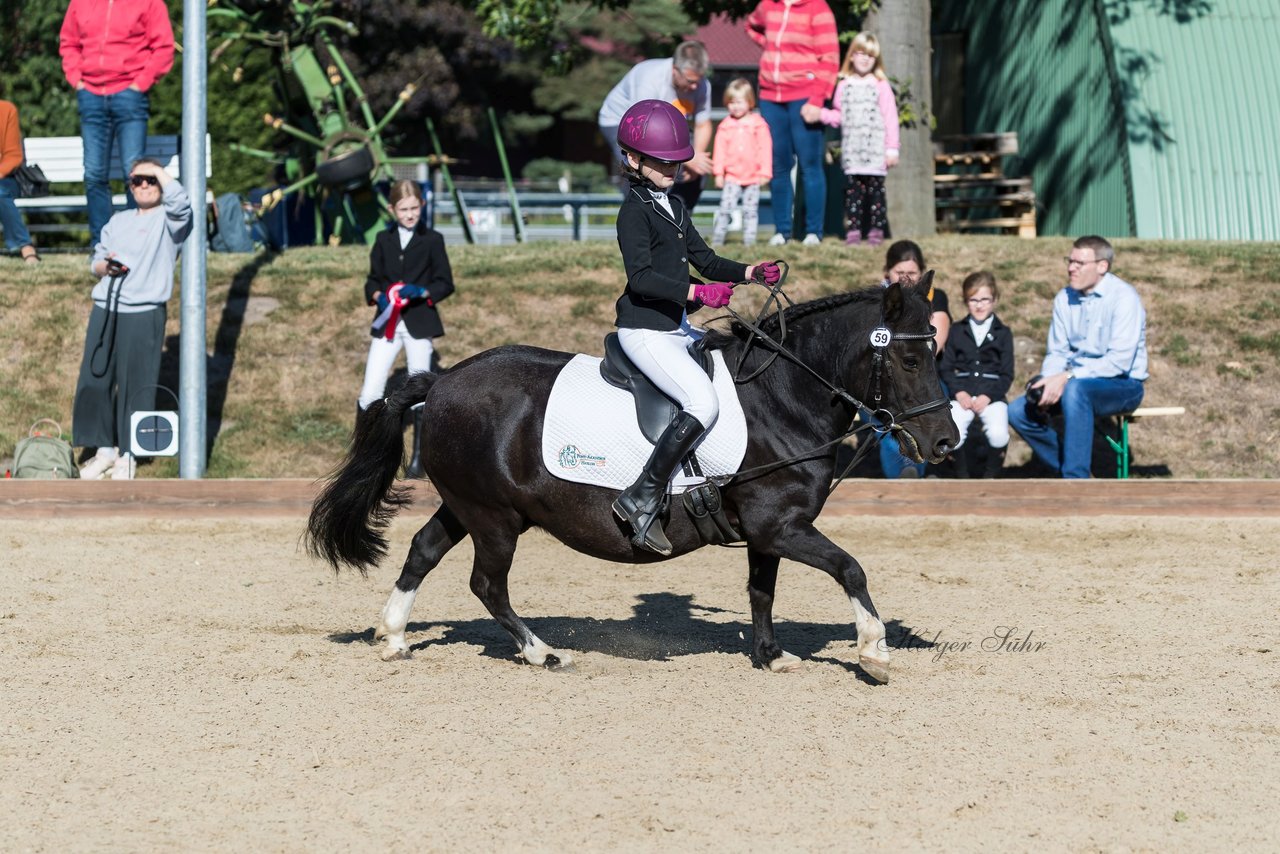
96,468
778,239
124,467
811,240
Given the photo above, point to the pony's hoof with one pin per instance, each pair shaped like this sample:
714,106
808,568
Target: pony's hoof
785,663
545,656
395,654
876,670
559,662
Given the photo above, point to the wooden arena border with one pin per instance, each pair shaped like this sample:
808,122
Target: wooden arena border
41,499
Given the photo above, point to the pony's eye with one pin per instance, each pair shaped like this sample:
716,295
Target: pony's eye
911,363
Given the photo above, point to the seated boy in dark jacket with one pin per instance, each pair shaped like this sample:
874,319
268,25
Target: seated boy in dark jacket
977,367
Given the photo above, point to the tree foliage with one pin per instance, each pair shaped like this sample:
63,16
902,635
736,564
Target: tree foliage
600,46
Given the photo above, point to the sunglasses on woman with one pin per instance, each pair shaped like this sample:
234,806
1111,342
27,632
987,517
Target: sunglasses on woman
143,181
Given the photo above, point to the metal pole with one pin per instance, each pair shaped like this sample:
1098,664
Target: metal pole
448,180
194,391
506,171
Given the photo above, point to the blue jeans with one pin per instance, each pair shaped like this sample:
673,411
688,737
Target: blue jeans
1082,401
793,138
106,120
15,230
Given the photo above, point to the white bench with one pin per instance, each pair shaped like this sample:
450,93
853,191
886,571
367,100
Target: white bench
61,158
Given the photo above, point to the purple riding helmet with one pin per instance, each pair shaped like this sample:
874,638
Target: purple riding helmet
657,130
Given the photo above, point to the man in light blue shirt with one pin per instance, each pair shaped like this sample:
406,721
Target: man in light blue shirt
680,81
1095,362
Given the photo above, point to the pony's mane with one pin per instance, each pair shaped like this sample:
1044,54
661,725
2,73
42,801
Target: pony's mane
737,332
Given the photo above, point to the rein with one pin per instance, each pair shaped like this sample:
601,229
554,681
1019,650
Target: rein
881,421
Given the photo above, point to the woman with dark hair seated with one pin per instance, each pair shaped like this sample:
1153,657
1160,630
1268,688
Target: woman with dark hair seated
904,263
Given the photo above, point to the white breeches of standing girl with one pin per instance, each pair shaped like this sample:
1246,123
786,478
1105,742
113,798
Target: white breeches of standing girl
382,355
664,358
995,422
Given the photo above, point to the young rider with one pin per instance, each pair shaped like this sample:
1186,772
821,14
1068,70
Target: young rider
658,242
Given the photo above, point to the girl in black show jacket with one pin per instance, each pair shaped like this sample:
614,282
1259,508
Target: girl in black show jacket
975,367
423,261
657,251
978,373
409,275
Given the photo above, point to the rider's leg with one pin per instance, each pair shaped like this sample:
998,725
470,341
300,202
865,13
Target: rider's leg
664,358
641,504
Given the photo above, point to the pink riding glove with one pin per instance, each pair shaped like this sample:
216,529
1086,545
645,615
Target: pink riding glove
767,272
714,294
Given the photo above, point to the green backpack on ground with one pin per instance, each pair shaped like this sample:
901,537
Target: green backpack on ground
44,456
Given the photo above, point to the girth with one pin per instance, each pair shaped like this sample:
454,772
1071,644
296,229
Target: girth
654,410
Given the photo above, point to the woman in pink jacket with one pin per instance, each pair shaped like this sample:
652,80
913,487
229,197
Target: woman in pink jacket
797,73
113,52
742,160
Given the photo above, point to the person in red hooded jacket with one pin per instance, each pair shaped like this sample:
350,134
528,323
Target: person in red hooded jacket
797,74
113,52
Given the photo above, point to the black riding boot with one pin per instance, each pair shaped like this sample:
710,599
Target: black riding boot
995,462
414,469
640,505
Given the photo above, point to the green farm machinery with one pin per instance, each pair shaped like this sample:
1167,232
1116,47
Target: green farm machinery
335,153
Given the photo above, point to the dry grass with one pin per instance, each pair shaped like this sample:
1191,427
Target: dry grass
287,336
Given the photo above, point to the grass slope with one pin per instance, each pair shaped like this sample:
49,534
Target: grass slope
287,336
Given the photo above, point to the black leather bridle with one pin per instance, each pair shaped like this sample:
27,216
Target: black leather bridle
881,421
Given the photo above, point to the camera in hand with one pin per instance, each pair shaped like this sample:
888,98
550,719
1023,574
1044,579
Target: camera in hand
1034,394
115,269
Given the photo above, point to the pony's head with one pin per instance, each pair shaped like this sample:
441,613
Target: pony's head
901,373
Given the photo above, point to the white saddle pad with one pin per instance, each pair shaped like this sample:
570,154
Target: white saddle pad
590,434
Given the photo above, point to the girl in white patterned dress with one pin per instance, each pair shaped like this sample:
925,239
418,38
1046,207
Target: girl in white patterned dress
866,112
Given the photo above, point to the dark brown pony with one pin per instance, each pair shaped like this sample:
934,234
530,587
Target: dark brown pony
481,450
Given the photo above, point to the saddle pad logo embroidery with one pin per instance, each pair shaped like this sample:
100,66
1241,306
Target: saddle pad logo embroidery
571,457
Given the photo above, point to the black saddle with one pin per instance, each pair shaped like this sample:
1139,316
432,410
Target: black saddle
654,410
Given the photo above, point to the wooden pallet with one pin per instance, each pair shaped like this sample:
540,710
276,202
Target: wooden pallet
965,196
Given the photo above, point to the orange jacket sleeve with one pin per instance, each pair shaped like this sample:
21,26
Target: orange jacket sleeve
10,139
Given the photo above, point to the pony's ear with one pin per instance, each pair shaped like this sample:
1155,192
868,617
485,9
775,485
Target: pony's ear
892,303
926,282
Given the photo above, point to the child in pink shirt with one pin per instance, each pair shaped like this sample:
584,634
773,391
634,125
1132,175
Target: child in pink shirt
866,112
742,160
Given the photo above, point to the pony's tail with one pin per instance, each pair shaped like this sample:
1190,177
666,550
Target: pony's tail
360,499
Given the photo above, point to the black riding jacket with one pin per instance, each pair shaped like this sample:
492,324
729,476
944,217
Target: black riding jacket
657,250
423,261
978,367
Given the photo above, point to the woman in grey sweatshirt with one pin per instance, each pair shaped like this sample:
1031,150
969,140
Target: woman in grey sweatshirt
134,260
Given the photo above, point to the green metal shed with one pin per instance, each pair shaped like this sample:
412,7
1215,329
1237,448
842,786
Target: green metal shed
1146,118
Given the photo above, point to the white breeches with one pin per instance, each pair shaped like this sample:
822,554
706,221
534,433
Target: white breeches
995,422
664,358
382,355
